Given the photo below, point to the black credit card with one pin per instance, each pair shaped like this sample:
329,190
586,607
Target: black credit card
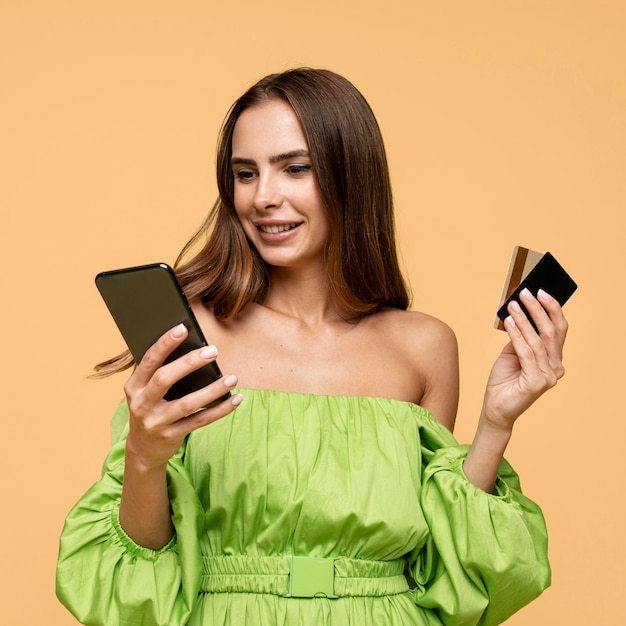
547,274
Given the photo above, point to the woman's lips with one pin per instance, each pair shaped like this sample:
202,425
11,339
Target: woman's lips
277,232
276,228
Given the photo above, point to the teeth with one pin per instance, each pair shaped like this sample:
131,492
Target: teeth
277,228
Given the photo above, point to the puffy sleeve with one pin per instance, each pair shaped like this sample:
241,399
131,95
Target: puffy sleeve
103,577
486,554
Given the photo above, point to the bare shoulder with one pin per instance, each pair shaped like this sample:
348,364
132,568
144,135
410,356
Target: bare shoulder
416,330
430,346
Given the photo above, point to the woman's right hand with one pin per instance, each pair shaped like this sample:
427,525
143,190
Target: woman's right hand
158,427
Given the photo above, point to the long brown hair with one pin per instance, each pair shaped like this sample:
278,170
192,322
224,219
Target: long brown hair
350,164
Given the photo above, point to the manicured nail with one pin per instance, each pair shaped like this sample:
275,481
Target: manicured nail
516,307
178,331
230,381
210,352
526,295
544,295
237,399
509,321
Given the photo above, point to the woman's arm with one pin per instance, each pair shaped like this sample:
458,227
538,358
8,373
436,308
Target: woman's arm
104,577
529,365
441,372
157,429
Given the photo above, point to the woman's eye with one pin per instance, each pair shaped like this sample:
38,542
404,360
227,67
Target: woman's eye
298,169
244,175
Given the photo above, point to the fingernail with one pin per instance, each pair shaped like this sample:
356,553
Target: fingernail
510,322
230,381
237,399
516,307
544,295
178,331
209,352
526,294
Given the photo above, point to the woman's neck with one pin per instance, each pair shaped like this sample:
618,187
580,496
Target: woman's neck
304,297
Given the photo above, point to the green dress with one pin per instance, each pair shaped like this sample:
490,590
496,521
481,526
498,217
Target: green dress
310,510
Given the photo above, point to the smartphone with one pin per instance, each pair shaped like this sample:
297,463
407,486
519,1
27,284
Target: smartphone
146,301
534,271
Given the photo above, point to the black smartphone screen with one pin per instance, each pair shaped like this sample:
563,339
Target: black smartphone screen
146,301
548,275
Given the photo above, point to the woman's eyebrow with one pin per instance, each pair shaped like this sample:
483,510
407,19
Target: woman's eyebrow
242,161
285,156
277,158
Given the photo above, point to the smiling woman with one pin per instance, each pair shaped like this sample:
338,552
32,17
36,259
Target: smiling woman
276,195
329,490
347,156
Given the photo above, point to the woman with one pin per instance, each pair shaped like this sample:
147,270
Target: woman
328,489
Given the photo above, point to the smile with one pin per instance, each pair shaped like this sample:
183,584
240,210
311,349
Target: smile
277,228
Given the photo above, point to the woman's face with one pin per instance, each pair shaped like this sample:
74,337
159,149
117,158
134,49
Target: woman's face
276,194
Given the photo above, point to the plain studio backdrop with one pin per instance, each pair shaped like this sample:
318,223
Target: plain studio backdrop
505,124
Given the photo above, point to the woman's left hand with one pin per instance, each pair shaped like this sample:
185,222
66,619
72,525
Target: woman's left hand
530,364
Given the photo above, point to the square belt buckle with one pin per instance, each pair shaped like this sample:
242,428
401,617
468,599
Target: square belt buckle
311,577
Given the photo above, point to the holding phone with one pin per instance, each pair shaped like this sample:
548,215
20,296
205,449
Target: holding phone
146,301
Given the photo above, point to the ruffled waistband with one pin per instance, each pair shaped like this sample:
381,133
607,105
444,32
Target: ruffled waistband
302,576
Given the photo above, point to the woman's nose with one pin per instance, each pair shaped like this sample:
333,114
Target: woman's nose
267,193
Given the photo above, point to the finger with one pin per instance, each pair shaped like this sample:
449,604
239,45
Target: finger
522,316
534,310
203,417
534,350
555,312
551,323
166,375
543,325
546,313
536,368
157,353
555,337
203,398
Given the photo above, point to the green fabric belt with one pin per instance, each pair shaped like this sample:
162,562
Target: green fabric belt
303,577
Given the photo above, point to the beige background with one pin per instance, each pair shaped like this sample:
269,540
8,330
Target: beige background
505,124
